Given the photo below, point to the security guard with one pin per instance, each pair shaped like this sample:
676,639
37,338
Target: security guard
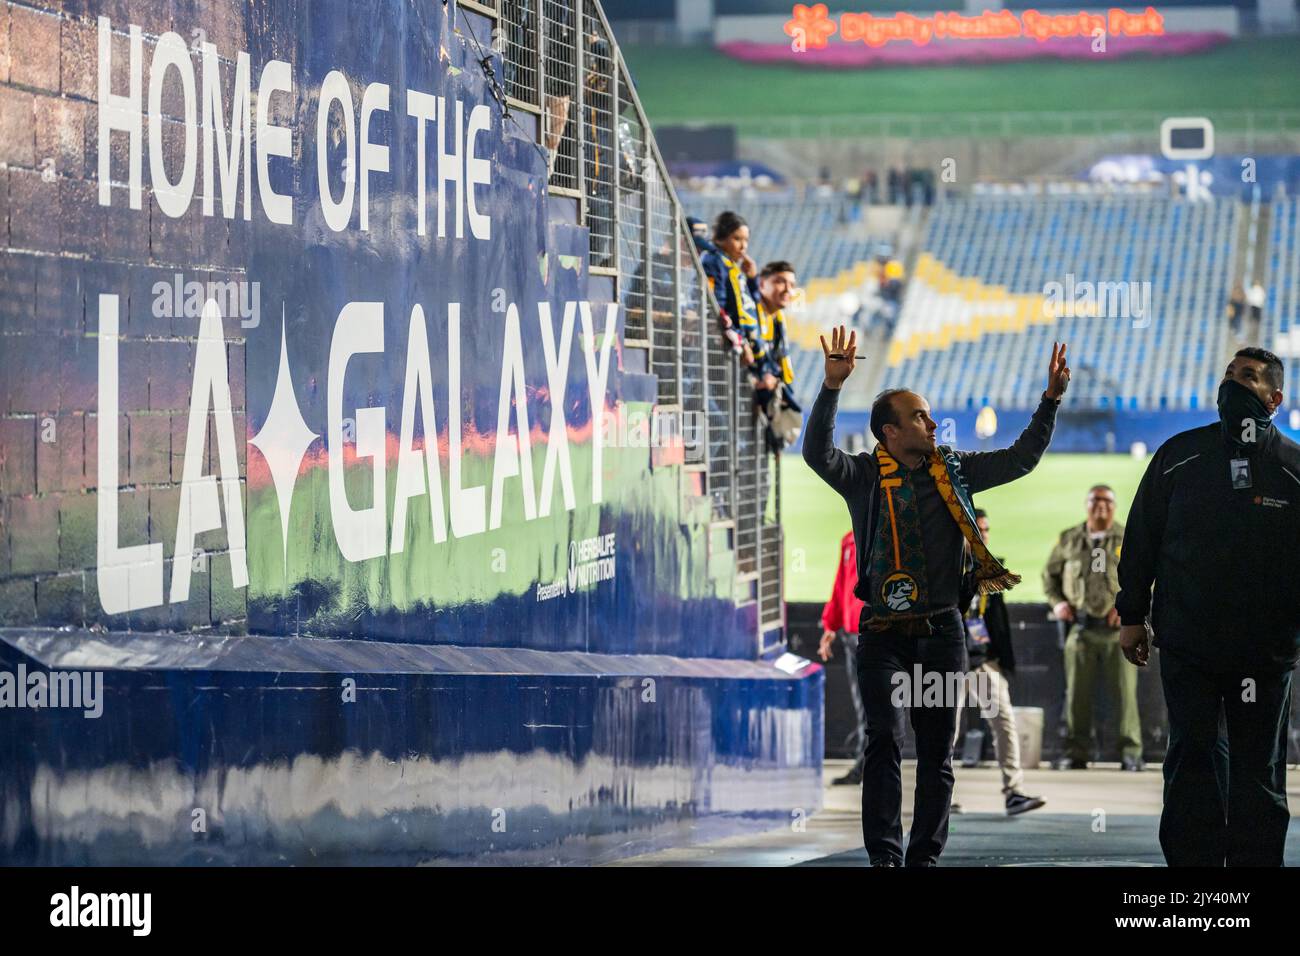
1081,580
1215,526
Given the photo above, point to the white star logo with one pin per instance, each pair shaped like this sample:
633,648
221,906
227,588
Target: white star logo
284,440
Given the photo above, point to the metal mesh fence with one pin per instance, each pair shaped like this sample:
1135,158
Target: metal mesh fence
519,32
559,77
560,58
720,398
749,480
631,144
771,608
600,164
665,339
691,289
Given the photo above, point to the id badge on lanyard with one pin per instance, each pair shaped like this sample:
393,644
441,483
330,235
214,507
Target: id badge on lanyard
1239,471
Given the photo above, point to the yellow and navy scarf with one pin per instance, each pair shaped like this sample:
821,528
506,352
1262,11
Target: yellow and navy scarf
741,300
771,338
898,556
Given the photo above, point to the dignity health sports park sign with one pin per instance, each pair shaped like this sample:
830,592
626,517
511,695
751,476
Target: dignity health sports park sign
410,422
812,36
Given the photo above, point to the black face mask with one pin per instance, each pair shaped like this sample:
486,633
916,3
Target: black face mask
1238,407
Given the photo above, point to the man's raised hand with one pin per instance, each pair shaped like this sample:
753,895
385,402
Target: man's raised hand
1058,372
841,355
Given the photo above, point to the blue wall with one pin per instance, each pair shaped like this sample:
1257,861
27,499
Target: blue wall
495,678
247,750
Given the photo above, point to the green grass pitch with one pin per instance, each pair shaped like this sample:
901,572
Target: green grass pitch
700,84
1025,518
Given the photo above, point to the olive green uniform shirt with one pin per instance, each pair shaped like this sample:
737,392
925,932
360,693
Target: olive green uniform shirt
1085,572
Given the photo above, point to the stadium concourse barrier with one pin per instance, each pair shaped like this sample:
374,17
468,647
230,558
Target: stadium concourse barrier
402,505
1039,682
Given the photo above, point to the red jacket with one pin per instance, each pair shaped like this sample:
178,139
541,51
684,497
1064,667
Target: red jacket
843,610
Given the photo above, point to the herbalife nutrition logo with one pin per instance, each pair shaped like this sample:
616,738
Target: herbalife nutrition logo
74,690
591,560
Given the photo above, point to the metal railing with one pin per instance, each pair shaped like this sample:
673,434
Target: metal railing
1249,123
665,270
719,390
601,150
518,20
771,561
600,159
561,105
749,483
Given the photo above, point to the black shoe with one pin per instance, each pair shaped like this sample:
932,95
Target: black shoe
1018,802
852,778
887,861
1071,763
923,863
1132,763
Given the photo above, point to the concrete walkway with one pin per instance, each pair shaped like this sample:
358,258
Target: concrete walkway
1096,817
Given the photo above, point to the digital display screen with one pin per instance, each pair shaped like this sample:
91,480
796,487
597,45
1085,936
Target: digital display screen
1187,137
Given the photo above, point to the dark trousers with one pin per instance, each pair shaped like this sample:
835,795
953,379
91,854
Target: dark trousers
881,655
1225,771
858,739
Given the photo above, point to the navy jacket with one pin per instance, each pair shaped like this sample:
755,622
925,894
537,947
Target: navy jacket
855,477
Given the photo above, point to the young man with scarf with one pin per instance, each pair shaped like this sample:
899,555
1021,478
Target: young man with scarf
772,369
914,524
1216,526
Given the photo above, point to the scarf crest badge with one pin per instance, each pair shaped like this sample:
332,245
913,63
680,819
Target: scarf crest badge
898,555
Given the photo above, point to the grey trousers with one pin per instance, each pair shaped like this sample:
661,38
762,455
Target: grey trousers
858,741
1006,741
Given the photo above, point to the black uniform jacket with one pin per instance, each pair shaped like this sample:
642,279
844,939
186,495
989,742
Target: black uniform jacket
1224,559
